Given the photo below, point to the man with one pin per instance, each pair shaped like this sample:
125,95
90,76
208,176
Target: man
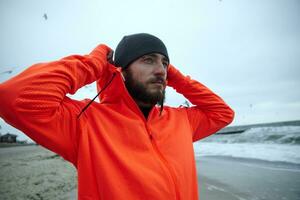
126,146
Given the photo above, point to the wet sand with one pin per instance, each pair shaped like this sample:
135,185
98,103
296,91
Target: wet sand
225,178
32,172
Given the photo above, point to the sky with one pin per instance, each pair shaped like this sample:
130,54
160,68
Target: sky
245,51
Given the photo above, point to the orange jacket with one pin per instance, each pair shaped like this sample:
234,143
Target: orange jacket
117,152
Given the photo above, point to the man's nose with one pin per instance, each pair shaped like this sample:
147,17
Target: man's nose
160,69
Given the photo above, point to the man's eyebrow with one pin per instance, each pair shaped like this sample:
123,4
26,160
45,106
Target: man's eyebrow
153,55
165,59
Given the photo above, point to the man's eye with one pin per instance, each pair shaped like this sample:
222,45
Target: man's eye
148,60
165,64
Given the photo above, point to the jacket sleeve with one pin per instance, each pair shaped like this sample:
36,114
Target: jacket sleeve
210,112
35,101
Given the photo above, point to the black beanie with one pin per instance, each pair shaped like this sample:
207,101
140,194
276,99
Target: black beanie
132,47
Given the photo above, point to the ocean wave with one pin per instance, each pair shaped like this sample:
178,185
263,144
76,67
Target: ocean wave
266,135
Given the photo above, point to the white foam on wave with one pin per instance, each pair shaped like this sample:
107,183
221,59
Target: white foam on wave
269,152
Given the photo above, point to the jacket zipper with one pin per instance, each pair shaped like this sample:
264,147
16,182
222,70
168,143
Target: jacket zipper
165,162
161,157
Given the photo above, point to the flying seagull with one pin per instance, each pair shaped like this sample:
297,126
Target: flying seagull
6,72
45,16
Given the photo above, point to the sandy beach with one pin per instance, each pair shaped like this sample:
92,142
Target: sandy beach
32,172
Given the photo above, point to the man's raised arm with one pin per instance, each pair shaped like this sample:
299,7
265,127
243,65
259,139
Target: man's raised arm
210,112
35,101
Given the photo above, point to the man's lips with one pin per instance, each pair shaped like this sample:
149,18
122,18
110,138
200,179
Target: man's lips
162,83
159,81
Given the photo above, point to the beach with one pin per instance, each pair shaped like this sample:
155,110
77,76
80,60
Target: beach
227,178
32,172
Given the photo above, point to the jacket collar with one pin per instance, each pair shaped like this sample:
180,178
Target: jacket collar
115,91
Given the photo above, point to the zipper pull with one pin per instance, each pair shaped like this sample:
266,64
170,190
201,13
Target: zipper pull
150,136
149,133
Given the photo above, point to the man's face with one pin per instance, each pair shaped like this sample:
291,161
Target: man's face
145,78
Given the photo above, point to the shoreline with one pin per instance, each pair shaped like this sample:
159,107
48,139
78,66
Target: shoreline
252,160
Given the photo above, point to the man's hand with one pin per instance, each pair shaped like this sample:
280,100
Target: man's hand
103,52
110,57
171,74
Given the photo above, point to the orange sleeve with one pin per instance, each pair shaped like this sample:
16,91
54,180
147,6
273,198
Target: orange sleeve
210,112
35,101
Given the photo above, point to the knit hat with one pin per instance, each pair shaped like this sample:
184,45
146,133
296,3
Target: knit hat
132,47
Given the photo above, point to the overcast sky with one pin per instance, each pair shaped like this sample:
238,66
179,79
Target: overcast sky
245,51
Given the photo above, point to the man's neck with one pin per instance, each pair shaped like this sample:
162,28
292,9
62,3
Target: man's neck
145,111
145,108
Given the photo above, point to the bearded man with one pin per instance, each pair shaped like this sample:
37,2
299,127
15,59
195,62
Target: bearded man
130,145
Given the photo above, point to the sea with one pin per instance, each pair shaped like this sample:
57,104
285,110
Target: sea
270,142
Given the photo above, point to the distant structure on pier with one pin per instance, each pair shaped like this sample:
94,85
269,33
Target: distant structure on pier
242,128
8,138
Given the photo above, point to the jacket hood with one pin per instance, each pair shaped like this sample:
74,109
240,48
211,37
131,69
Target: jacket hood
111,85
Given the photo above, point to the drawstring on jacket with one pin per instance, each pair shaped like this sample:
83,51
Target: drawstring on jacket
161,106
106,85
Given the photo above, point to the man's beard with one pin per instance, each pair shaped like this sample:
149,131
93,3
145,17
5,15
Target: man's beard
139,91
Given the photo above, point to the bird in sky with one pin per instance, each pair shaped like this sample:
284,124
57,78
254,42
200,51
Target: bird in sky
45,16
6,72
